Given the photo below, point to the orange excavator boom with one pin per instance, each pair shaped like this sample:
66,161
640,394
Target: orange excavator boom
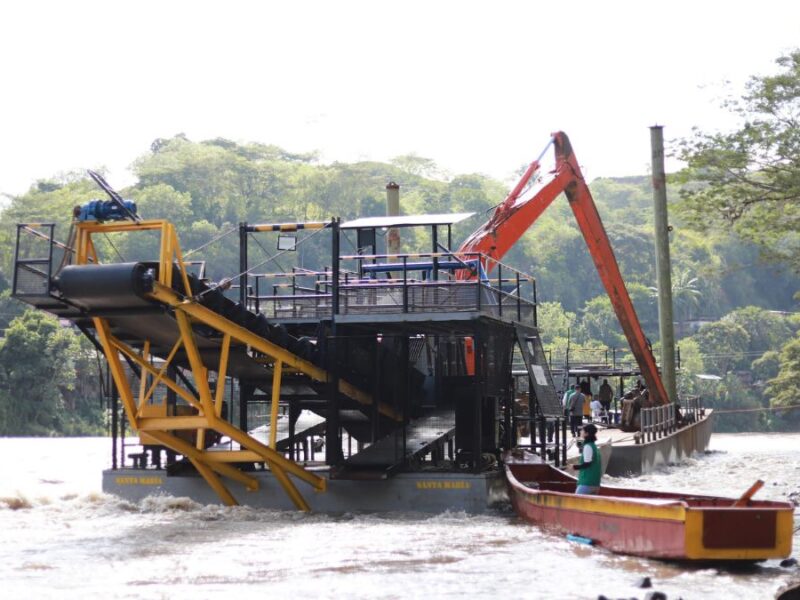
513,217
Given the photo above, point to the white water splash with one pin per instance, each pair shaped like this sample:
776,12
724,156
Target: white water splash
63,538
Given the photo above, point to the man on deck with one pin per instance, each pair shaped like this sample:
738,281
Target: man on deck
606,392
575,411
590,469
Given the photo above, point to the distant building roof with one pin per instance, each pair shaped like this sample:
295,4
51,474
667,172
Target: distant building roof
406,221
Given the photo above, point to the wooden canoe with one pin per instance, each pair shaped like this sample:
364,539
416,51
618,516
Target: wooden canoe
662,525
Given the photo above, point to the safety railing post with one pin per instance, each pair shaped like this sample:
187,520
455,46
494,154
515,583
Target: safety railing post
644,425
405,284
500,289
16,262
50,257
542,438
657,423
243,264
478,287
336,266
346,292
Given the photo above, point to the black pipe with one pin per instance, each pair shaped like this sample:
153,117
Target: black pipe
543,438
243,265
557,440
435,234
114,421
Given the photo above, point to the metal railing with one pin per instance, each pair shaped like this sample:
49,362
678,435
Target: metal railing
413,283
692,409
661,421
657,422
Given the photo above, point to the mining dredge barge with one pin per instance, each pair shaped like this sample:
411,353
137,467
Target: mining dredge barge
380,382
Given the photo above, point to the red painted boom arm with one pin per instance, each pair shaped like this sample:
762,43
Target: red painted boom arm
511,220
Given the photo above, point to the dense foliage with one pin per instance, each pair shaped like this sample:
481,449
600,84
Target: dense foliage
746,182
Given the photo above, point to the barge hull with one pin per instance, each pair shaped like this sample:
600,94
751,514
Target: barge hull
636,459
408,492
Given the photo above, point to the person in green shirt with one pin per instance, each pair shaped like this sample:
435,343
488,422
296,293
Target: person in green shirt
590,468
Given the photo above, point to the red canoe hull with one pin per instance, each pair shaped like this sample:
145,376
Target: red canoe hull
659,525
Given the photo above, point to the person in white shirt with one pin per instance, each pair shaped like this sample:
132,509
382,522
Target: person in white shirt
597,410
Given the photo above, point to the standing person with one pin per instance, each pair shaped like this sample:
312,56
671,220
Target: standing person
575,412
606,392
597,410
590,469
565,399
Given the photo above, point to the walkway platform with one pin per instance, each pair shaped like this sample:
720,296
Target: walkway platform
422,436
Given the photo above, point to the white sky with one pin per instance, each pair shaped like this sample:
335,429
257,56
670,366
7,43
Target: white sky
476,86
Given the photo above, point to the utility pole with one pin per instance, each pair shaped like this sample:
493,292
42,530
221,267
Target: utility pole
663,274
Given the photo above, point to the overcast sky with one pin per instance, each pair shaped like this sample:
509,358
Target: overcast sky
476,86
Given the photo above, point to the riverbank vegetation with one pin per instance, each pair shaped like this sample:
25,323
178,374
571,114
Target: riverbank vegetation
735,246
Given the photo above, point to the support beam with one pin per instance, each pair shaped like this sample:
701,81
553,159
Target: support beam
183,447
117,371
212,480
134,356
276,397
208,317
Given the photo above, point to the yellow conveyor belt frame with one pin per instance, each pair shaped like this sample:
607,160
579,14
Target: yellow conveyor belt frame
187,311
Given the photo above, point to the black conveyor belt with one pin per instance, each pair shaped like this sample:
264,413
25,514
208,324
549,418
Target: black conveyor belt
104,287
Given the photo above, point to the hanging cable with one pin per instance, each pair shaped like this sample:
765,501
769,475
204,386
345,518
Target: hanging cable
105,235
225,283
730,411
266,253
211,241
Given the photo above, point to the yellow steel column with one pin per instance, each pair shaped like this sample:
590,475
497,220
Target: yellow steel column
143,377
163,370
80,246
176,249
221,374
289,487
212,480
164,273
270,455
200,440
189,451
130,353
117,371
276,397
196,362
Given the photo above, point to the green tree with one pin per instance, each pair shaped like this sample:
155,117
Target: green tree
766,366
732,394
556,322
685,293
749,179
9,309
723,345
45,379
784,390
767,330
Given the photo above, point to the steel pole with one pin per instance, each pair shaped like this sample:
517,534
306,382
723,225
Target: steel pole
665,323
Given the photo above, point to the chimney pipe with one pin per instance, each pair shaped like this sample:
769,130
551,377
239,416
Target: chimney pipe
392,210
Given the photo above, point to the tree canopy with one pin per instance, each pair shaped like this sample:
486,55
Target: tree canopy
748,180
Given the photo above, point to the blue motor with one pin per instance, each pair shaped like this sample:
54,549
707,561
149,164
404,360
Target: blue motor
107,210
